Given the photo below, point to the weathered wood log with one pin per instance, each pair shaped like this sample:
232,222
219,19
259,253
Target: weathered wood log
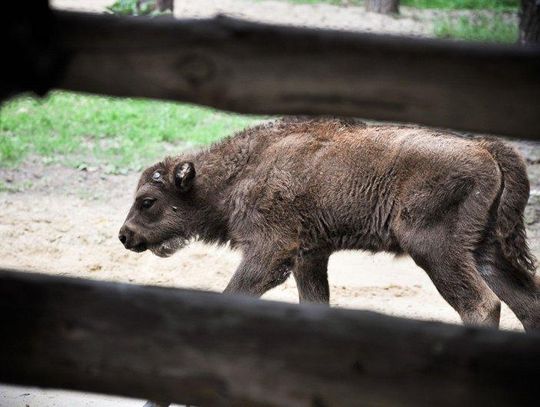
257,68
212,349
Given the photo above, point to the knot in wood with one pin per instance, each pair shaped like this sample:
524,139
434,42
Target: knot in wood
196,69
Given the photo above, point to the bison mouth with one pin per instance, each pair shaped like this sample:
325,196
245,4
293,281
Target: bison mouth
168,247
139,248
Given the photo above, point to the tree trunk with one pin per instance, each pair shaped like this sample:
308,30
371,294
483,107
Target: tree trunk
383,6
529,22
164,5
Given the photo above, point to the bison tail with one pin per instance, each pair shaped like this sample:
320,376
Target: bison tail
510,225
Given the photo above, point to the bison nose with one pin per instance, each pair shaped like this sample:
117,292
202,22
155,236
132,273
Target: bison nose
132,240
126,236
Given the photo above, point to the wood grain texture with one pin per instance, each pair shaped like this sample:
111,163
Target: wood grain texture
212,349
257,68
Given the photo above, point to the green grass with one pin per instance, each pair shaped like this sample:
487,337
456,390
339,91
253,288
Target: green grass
463,4
123,134
495,28
129,8
437,4
15,187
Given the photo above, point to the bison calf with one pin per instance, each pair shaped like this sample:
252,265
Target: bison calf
290,193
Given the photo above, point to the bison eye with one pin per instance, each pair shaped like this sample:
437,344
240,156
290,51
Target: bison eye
147,203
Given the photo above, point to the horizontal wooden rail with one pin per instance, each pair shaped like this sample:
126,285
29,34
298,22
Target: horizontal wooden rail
258,68
212,349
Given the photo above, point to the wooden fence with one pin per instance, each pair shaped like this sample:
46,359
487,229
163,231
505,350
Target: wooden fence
210,349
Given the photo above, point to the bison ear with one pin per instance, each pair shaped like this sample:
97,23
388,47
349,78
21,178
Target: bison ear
184,174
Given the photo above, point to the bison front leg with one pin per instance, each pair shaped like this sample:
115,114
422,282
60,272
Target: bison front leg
310,273
259,272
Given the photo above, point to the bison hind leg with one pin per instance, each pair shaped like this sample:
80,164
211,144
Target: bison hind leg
446,255
520,290
441,231
454,275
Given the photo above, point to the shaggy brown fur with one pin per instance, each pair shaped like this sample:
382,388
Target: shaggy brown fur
289,193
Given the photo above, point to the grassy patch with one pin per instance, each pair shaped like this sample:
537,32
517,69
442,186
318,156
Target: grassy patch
436,4
125,134
495,28
15,187
463,4
130,8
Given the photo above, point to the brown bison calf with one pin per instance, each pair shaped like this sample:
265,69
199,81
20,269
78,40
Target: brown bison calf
290,193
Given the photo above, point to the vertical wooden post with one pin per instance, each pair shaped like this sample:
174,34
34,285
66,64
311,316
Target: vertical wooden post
529,22
383,6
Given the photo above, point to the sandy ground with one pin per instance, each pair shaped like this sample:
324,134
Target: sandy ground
66,221
15,396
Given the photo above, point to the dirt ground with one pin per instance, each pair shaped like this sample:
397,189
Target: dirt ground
65,221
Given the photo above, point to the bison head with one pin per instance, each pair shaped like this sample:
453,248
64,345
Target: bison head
160,219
